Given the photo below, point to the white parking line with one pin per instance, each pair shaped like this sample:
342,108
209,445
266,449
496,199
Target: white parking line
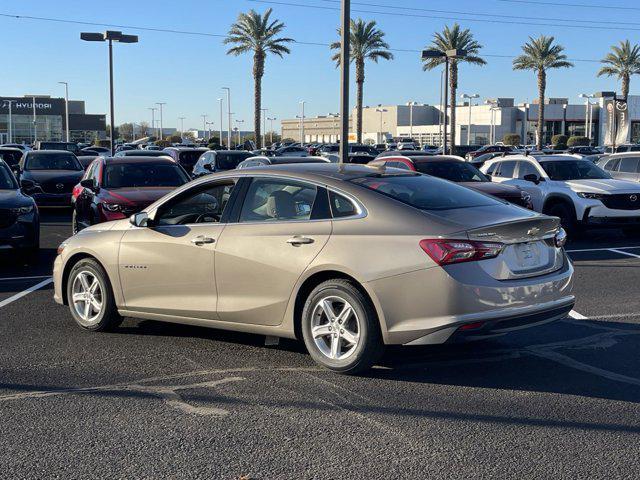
577,316
624,253
597,249
24,278
26,292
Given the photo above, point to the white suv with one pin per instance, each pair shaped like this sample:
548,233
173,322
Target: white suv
576,190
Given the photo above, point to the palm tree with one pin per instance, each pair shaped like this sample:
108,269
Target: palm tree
541,54
367,43
622,61
257,33
450,39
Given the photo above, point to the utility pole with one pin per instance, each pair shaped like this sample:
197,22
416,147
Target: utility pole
345,31
161,104
66,106
229,114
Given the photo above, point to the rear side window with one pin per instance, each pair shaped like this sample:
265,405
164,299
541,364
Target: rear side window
425,193
526,168
341,206
629,165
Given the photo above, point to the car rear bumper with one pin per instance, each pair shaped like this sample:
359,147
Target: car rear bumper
430,306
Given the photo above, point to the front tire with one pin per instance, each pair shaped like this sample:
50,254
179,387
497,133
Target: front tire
90,297
340,327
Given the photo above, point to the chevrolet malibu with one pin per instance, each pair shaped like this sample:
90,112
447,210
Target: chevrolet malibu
346,258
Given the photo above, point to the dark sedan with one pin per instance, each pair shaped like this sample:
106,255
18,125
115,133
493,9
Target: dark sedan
115,188
457,170
49,176
19,219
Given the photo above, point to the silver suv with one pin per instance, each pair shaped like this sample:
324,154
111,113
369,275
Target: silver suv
579,192
623,166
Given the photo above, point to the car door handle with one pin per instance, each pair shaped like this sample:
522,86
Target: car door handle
298,240
201,240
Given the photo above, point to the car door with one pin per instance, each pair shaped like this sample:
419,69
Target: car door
168,267
536,190
280,229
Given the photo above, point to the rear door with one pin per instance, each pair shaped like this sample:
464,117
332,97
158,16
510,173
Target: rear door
536,191
282,225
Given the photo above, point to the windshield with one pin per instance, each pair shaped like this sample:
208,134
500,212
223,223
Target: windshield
52,161
127,175
190,157
7,181
425,193
573,170
452,171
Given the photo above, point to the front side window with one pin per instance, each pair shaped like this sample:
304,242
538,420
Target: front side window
506,169
563,170
203,205
527,168
425,192
273,200
52,161
143,174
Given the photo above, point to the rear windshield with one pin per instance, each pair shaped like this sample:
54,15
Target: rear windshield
127,175
229,161
452,171
425,193
573,170
52,161
12,158
190,157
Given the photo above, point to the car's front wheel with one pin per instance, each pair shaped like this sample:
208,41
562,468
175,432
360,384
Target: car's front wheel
90,297
340,327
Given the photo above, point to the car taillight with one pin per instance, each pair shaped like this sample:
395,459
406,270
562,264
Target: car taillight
446,252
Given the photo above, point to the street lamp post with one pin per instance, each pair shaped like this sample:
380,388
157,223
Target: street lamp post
588,112
229,114
160,105
448,56
271,124
494,107
239,122
220,101
153,118
345,32
110,36
470,98
381,111
302,103
10,126
204,124
66,106
411,105
181,126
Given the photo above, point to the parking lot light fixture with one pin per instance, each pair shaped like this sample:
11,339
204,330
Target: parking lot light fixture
181,126
271,120
110,36
588,114
381,111
153,118
239,122
228,90
470,98
345,37
66,107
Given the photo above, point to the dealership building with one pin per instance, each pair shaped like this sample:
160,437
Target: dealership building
20,122
479,123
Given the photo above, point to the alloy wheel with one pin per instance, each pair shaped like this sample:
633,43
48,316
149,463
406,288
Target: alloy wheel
335,327
87,297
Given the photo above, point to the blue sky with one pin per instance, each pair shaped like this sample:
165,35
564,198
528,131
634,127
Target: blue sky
188,71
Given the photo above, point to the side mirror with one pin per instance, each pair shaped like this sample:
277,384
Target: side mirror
27,185
532,177
90,183
140,219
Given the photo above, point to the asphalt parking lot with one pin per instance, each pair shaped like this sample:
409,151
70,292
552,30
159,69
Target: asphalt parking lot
155,400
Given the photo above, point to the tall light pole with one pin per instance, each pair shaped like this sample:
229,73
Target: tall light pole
448,56
160,105
181,126
302,103
381,111
210,125
110,36
271,125
10,126
470,98
153,120
411,105
204,124
587,114
220,100
264,111
35,123
494,107
239,122
345,32
66,106
229,114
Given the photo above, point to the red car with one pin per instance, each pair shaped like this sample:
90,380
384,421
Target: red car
115,188
457,170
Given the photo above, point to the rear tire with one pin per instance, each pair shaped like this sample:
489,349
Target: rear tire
90,297
75,227
567,217
340,327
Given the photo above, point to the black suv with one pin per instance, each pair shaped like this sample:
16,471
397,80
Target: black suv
49,176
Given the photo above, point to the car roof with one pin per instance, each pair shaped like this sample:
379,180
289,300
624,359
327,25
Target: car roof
437,159
48,152
187,149
10,149
622,154
137,160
